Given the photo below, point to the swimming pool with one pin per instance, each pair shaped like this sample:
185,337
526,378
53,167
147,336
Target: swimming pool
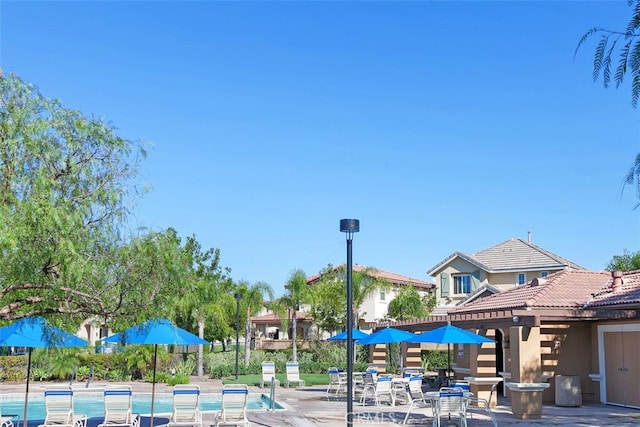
92,404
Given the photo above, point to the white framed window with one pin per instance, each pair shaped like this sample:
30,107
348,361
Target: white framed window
383,295
461,283
522,278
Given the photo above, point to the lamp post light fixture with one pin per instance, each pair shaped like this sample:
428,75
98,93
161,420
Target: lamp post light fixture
237,296
349,226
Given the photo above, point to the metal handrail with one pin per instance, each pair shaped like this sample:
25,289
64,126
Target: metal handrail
272,394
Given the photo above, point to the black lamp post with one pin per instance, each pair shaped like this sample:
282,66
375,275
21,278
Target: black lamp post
237,296
349,226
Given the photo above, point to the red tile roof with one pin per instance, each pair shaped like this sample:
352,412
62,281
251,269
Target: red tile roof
629,292
396,279
273,318
565,289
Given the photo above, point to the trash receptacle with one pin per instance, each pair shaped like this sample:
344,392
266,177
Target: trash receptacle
568,390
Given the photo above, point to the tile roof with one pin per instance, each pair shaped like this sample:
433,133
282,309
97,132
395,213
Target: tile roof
273,318
565,289
512,255
629,292
396,279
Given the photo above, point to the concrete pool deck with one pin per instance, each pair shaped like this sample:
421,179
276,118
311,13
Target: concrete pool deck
310,407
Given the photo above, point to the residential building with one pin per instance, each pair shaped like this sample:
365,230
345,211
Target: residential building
463,277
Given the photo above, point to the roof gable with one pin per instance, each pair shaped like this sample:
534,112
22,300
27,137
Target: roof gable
510,255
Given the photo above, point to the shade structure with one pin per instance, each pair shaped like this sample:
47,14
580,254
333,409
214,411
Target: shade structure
155,332
387,335
449,334
356,334
36,332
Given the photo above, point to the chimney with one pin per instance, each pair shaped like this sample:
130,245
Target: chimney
616,286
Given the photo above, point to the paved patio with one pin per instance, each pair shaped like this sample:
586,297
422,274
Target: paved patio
309,407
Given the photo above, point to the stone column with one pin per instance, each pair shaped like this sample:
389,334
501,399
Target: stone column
526,368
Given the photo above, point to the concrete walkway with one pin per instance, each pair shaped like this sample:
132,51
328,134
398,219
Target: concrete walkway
309,407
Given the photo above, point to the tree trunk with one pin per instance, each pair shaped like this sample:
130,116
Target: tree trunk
293,337
201,347
247,339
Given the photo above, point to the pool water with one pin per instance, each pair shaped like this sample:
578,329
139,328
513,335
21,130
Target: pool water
93,405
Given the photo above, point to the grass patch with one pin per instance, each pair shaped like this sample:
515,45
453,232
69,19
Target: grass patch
254,379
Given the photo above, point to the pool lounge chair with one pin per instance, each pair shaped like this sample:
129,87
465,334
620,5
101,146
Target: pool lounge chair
234,405
58,402
186,406
269,374
118,408
293,375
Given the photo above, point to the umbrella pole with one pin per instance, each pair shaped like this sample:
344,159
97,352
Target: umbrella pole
449,364
153,383
26,394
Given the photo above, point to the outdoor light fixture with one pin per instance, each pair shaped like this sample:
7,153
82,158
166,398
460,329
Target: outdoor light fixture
349,226
237,296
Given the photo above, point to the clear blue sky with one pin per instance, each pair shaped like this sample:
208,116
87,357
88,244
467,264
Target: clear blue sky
442,126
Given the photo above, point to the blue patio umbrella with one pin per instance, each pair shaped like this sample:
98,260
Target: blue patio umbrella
449,334
356,334
387,335
36,332
155,331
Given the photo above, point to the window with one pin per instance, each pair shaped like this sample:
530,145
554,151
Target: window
522,278
383,295
462,284
544,274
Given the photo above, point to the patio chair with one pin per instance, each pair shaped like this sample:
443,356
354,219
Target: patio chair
269,374
367,387
293,374
234,405
58,403
450,401
478,404
118,409
418,399
384,388
337,382
186,406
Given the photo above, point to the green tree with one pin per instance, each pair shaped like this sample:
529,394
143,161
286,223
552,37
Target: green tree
330,309
364,282
628,261
255,297
297,293
625,46
66,183
207,284
407,305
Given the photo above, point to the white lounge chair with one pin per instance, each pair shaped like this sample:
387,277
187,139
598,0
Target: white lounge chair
118,408
293,375
384,388
234,405
186,406
58,402
269,374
